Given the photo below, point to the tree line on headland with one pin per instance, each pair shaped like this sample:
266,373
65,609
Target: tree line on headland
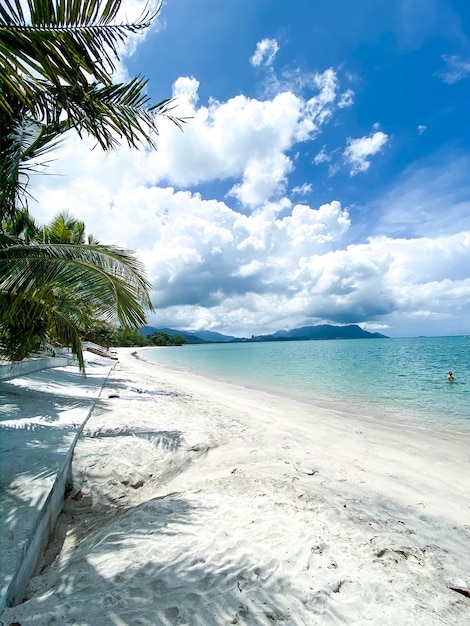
57,60
108,335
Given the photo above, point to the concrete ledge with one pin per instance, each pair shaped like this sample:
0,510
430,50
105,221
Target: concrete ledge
43,414
42,531
21,368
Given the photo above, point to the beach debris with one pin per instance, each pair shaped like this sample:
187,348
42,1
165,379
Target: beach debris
307,472
143,397
78,495
153,392
463,590
199,447
138,484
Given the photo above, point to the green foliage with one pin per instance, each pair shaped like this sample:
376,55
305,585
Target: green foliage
126,337
64,229
101,333
130,338
55,292
56,66
57,58
163,339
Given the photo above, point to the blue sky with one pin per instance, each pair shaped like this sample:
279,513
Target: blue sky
322,176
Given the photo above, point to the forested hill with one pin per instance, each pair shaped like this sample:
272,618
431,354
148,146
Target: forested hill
321,332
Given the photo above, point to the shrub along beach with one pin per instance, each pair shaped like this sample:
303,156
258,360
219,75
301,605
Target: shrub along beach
196,501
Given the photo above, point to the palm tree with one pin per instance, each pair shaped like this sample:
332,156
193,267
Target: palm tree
56,62
56,74
64,229
54,292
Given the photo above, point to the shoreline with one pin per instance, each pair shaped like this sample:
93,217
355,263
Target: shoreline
219,504
350,409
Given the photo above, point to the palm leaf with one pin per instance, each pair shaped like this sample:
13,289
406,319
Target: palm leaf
62,42
108,113
29,323
109,279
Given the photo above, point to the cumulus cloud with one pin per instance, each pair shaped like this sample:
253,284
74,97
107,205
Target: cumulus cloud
268,262
421,129
361,283
244,141
280,266
242,138
262,179
265,52
359,150
205,252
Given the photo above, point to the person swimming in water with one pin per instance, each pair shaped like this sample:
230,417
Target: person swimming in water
450,376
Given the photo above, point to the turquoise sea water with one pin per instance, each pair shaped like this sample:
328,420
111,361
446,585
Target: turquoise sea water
400,380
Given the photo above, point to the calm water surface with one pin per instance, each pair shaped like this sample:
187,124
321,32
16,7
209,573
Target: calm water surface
402,380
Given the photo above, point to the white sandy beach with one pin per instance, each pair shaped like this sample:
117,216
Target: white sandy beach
220,505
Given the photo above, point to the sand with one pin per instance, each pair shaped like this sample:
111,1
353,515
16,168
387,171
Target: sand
217,504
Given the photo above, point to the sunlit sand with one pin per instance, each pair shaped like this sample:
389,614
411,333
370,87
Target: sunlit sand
214,504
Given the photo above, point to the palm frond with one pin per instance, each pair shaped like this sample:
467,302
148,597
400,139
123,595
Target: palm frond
111,280
61,42
108,113
29,324
24,143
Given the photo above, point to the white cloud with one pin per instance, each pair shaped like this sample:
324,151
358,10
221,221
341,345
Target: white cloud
458,68
374,283
322,157
346,99
302,190
263,178
274,263
185,91
215,268
359,150
241,138
319,107
422,129
265,52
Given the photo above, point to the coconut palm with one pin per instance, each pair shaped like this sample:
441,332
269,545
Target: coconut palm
56,62
59,43
64,229
55,292
56,65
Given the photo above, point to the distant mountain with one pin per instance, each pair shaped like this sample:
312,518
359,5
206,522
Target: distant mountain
203,336
322,331
209,335
190,337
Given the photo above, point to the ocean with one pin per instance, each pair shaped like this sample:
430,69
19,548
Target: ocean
398,380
